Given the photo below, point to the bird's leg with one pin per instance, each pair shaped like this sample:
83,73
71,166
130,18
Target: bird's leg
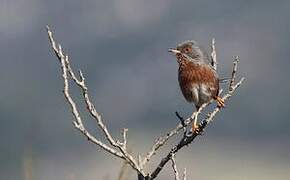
220,102
194,126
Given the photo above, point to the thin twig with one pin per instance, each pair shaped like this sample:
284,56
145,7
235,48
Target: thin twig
174,166
213,55
235,69
98,118
124,133
66,68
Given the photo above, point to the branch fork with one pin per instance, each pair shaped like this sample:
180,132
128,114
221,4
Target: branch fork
118,148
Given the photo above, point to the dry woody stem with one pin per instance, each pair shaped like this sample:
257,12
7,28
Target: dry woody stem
174,167
118,148
213,55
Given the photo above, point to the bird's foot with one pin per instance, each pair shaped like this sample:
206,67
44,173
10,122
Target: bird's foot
195,128
220,102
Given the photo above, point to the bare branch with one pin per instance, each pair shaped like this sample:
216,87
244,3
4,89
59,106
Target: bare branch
187,139
211,115
162,140
124,133
119,148
213,55
235,68
174,166
90,106
66,68
97,117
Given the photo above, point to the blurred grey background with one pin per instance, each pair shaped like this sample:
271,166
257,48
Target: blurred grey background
121,46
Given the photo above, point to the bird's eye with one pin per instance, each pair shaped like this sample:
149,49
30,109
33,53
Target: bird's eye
186,50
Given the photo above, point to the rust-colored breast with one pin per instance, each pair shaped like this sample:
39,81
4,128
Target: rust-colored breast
198,82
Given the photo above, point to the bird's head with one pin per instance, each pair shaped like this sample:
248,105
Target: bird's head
189,49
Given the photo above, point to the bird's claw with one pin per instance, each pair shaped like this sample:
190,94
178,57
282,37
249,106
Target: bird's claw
196,129
220,102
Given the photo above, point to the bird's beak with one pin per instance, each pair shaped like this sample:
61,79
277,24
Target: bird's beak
175,51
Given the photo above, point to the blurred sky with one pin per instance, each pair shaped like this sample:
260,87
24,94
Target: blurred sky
121,46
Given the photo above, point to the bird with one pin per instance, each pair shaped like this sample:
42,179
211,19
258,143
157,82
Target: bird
198,80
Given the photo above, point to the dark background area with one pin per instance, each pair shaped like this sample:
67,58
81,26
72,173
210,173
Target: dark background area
121,46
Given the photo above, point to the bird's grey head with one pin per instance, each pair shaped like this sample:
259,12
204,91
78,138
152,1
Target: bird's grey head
191,49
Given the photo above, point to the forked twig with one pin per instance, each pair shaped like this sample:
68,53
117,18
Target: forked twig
118,148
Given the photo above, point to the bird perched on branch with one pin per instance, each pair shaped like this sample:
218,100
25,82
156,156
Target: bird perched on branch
198,81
